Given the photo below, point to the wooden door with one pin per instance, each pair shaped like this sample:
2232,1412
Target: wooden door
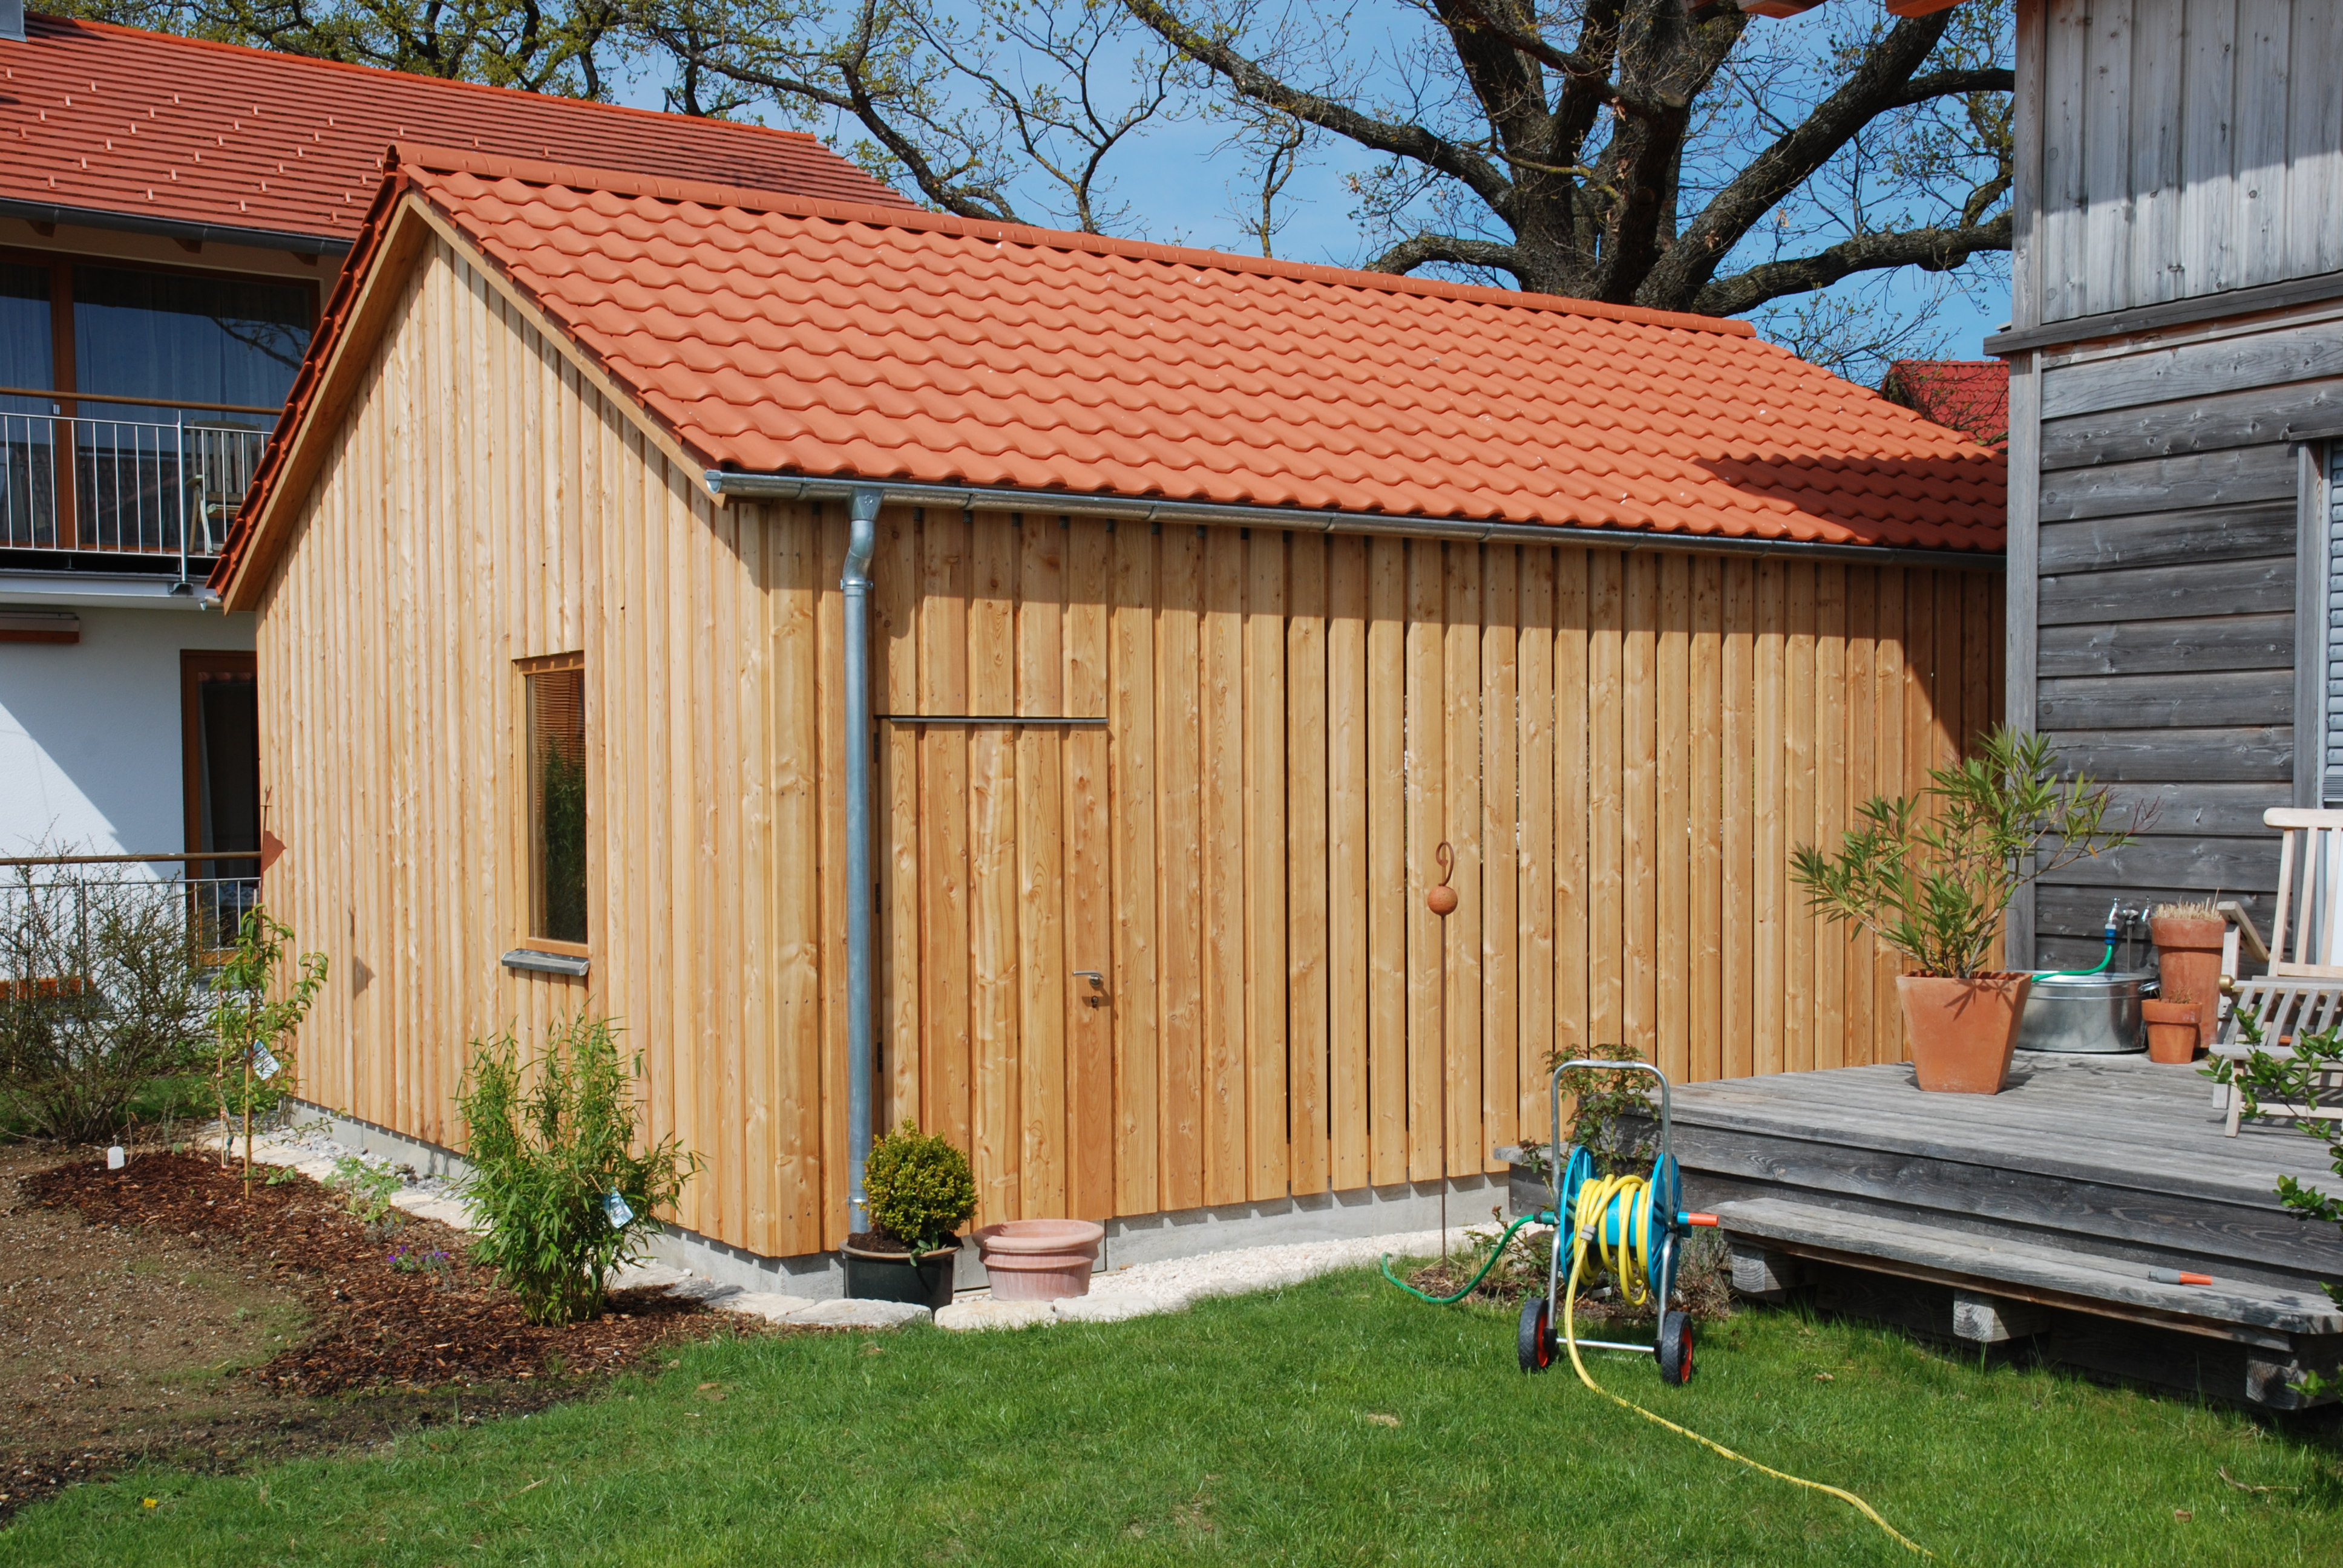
997,966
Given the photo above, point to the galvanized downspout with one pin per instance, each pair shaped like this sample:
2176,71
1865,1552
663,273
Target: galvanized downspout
861,542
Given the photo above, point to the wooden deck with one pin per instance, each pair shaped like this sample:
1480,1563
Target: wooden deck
2042,1212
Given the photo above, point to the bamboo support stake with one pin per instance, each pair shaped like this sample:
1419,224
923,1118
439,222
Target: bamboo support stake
1441,901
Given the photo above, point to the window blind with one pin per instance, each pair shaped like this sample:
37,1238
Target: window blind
2331,793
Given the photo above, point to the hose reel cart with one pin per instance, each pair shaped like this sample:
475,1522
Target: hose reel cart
1633,1228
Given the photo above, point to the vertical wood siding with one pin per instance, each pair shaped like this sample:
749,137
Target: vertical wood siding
2187,148
1623,747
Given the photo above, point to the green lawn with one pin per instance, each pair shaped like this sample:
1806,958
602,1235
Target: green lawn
1334,1423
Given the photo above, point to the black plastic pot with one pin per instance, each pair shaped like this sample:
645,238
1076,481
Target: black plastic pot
925,1281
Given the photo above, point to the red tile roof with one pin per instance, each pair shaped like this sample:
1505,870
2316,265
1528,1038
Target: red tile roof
102,119
775,334
1971,396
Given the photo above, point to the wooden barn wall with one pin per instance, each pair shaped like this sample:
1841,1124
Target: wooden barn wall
1623,747
2186,148
2166,623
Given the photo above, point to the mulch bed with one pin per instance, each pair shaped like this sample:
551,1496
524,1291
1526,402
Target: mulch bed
378,1325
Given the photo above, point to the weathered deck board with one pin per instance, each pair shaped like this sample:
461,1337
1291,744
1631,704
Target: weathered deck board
2070,1116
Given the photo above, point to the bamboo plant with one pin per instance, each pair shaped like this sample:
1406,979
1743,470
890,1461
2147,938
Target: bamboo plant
1932,875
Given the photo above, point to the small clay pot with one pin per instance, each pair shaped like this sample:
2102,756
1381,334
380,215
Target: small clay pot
2171,1031
2188,964
1962,1031
1040,1260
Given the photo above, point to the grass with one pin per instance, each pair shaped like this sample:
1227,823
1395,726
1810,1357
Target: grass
1333,1422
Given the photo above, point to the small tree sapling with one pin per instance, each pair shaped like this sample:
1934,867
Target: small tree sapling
252,1066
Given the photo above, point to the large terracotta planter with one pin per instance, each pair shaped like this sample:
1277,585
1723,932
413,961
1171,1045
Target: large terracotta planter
2188,965
1040,1260
2171,1031
1962,1031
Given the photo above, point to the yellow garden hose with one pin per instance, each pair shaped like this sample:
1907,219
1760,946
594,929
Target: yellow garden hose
1626,1254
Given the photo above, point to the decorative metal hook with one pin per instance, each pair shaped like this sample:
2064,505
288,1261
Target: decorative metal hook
1441,898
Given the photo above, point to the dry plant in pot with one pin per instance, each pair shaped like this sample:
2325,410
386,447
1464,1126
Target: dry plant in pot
2188,940
918,1191
1930,875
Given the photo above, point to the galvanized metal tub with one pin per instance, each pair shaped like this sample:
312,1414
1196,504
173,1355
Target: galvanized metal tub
2089,1014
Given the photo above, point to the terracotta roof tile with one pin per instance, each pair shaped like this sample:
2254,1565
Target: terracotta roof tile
103,119
777,333
1971,396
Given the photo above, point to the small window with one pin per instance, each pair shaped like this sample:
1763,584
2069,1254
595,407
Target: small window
556,797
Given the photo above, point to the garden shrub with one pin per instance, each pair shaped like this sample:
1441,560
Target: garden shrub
101,995
918,1189
550,1143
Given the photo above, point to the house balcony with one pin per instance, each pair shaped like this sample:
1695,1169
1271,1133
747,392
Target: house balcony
144,500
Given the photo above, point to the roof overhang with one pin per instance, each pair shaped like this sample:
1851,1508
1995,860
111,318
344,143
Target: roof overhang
172,229
400,225
105,590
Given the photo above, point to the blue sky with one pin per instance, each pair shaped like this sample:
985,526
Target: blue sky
1181,184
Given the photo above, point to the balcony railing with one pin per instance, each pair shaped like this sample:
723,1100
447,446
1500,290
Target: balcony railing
162,493
60,907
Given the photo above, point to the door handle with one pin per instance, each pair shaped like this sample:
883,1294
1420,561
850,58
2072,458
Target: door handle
1096,997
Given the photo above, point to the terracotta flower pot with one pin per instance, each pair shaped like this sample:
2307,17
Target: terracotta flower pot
1962,1030
1040,1260
2171,1031
2188,964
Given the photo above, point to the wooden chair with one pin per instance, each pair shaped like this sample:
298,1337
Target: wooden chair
2302,993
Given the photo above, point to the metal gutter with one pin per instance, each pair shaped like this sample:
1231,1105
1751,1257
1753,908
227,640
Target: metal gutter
862,542
171,227
962,498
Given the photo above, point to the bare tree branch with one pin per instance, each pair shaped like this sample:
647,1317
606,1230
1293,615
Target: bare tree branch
1885,70
1424,250
1408,141
1929,249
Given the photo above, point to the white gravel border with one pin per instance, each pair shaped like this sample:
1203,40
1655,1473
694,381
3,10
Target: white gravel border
1140,1289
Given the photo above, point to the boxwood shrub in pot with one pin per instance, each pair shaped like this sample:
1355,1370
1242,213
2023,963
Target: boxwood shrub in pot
1932,875
918,1191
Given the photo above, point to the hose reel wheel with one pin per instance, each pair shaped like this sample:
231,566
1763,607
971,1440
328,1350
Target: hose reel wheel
1674,1349
1538,1342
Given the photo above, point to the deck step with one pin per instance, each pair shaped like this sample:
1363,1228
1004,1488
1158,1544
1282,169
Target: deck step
2051,1275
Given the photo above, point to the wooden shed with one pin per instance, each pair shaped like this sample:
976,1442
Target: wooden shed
1208,595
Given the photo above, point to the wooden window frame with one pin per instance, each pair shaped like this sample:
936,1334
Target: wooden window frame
528,941
2313,571
194,664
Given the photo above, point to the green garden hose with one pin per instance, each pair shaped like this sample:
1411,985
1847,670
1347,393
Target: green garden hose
1495,1252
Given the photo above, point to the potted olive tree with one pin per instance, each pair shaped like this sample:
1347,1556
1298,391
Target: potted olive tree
1932,875
920,1192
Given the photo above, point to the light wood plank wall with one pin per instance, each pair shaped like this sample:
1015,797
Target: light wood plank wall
1622,746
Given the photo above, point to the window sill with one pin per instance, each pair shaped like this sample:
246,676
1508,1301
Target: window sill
573,965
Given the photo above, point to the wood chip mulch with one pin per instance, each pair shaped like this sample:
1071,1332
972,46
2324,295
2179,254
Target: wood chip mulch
378,1325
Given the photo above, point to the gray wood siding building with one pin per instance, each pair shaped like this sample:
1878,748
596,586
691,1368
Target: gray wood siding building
2176,351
